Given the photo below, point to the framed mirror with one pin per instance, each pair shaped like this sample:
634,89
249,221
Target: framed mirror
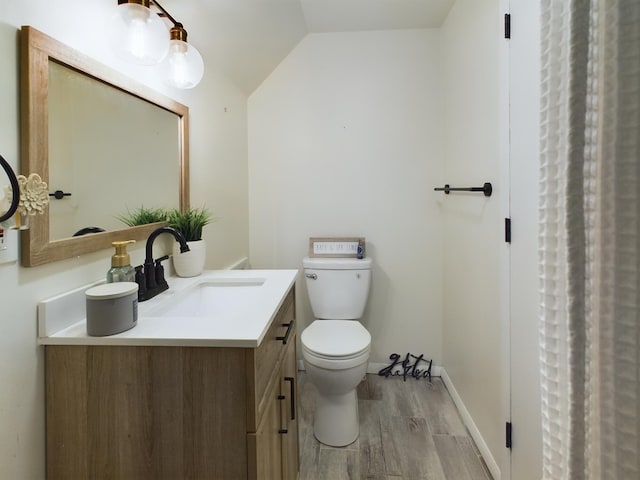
105,144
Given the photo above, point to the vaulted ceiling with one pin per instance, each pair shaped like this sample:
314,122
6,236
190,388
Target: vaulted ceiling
246,39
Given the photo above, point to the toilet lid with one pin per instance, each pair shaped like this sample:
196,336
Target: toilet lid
335,338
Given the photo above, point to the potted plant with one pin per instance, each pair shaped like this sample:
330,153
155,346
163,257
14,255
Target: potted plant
143,216
190,223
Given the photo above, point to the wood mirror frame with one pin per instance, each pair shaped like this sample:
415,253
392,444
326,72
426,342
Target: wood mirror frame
36,51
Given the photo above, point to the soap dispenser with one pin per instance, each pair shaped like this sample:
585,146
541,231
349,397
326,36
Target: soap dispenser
121,269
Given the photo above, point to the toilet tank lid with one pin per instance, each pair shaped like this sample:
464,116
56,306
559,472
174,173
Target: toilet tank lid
320,263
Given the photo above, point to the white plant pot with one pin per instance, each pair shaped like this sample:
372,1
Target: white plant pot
191,263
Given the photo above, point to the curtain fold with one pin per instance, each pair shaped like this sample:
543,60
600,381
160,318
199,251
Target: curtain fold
590,239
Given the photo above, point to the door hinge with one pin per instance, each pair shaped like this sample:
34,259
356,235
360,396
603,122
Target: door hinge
507,432
507,25
507,230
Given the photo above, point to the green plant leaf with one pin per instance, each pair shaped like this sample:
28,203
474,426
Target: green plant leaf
143,216
190,222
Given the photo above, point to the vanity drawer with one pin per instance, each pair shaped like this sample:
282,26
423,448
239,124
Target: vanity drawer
265,359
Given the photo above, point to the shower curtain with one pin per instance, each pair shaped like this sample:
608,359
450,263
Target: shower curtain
590,239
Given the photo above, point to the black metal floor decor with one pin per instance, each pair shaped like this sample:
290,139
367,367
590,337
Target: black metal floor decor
404,368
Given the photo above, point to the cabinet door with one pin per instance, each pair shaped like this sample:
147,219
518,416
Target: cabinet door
265,446
290,451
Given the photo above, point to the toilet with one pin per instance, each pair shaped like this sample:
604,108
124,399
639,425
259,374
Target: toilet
335,346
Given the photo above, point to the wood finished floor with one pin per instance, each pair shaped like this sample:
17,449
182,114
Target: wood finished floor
408,430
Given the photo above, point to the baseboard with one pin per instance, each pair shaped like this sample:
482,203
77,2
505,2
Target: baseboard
471,426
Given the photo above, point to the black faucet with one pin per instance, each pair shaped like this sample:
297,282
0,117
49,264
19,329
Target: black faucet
150,276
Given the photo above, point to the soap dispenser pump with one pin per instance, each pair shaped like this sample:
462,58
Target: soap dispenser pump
121,269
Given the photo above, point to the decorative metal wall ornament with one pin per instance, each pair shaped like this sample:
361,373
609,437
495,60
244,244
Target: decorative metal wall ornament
404,368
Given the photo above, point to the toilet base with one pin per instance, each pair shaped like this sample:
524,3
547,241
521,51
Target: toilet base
336,421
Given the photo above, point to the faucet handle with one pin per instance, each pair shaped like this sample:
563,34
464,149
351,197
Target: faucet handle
141,281
159,271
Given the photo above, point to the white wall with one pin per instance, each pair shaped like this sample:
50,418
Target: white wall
473,234
218,179
345,139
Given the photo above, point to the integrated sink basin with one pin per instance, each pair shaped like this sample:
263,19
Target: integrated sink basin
213,298
220,308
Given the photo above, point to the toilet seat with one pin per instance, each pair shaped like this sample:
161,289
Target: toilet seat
335,344
335,338
335,363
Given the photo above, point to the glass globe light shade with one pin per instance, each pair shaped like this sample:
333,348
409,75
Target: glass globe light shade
138,34
184,65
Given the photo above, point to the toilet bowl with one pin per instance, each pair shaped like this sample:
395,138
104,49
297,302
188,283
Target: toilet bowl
335,346
335,355
336,418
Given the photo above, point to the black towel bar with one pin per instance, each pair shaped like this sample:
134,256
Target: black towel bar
487,189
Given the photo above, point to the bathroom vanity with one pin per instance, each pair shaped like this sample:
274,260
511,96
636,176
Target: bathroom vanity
214,398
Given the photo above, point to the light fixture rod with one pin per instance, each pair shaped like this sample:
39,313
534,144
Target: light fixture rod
166,14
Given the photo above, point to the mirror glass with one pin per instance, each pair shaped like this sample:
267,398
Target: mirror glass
98,157
111,143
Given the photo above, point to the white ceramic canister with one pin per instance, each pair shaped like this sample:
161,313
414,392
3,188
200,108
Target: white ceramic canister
111,308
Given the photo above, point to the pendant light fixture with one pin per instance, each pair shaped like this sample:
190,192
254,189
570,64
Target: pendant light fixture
140,36
183,66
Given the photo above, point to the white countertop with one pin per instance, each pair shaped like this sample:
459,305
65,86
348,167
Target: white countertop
62,319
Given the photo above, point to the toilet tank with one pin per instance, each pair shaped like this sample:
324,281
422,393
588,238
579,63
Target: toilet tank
338,288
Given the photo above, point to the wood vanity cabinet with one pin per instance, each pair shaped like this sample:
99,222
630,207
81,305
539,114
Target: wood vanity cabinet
152,412
273,448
